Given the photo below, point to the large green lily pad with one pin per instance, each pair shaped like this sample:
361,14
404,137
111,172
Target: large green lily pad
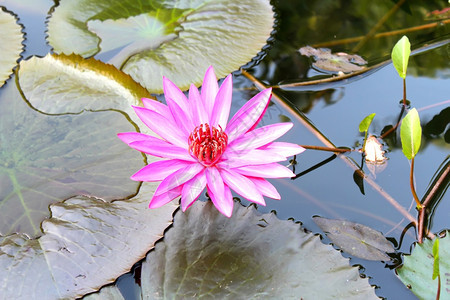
176,39
45,159
86,244
417,269
247,256
11,38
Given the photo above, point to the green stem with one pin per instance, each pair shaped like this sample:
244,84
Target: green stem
404,92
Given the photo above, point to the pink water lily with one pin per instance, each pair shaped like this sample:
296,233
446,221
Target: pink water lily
202,149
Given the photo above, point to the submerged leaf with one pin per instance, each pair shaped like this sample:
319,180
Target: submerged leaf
176,39
339,62
11,38
86,244
417,269
356,239
247,256
411,134
400,56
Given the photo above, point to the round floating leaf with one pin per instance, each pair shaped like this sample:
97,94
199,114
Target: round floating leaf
411,134
176,39
86,244
400,56
417,269
356,239
45,159
57,84
11,38
247,256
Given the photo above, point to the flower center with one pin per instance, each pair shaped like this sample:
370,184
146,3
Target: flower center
207,144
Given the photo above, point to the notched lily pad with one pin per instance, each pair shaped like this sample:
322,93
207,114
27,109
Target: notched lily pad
417,269
356,239
61,84
86,244
164,37
45,159
248,256
11,38
326,61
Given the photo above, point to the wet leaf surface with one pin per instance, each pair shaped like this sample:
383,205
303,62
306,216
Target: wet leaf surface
356,239
165,37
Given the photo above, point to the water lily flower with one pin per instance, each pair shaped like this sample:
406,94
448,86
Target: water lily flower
202,149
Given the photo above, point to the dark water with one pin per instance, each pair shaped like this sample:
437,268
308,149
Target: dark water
336,109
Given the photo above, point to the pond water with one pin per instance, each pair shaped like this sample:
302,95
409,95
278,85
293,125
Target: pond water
335,110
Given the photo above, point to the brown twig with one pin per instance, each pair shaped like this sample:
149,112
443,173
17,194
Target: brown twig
330,149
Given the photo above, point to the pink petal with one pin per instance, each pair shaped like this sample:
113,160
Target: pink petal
160,200
159,170
272,170
285,149
182,118
130,137
158,107
160,148
221,111
192,190
179,177
232,159
209,90
242,185
260,136
173,92
199,115
170,132
249,115
265,188
220,193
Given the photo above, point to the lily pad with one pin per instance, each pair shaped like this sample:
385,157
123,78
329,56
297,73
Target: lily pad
356,239
11,38
325,61
46,159
86,244
176,39
417,269
247,256
61,84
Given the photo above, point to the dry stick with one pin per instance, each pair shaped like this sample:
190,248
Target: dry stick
330,149
329,144
380,35
374,29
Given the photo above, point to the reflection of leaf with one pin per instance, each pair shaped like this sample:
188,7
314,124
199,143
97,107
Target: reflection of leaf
417,269
176,39
438,124
45,159
248,256
86,244
338,62
57,84
11,38
411,134
356,239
